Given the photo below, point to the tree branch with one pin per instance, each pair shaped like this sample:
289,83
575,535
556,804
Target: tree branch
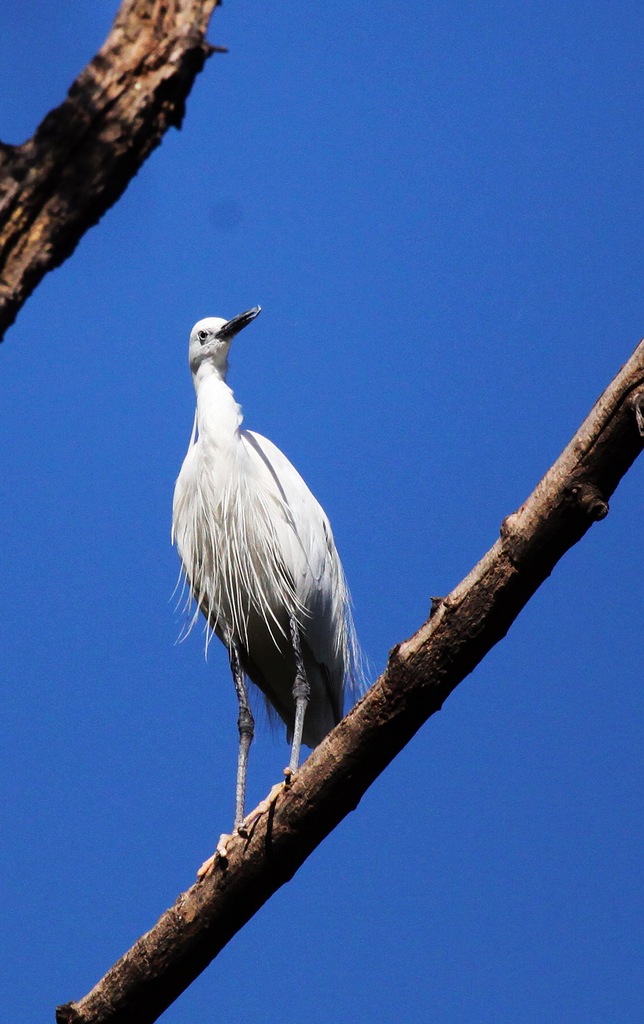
59,183
421,673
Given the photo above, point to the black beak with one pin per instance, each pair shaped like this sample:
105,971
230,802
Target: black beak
234,326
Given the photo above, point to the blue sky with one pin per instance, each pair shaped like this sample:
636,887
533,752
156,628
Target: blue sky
439,207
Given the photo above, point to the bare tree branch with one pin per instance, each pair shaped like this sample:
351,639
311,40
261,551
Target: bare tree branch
83,155
421,673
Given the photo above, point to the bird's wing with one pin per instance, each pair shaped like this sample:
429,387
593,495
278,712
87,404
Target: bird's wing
311,555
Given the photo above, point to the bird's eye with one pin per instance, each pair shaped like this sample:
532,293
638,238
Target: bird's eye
202,335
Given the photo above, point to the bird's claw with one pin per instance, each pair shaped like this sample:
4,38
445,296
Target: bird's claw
221,853
245,828
269,801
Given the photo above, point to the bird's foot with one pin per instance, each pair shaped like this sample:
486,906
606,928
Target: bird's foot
248,824
221,853
245,828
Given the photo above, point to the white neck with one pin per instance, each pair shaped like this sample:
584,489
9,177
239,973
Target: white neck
219,417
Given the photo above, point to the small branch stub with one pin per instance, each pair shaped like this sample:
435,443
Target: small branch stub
589,499
637,402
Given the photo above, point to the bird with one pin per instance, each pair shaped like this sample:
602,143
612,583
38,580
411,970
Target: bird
258,554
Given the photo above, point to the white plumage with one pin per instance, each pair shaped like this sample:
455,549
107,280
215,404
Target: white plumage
259,555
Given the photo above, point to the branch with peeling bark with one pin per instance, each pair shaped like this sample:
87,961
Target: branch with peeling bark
82,157
278,837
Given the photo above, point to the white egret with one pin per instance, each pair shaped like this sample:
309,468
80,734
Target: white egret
259,556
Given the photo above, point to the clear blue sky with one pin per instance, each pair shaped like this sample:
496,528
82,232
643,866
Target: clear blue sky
439,207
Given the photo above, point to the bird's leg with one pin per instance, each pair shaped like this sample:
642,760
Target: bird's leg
246,728
301,694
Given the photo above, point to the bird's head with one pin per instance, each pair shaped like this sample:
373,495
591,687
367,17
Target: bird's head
210,340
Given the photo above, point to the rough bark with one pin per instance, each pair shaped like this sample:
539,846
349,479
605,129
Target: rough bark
83,155
420,674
